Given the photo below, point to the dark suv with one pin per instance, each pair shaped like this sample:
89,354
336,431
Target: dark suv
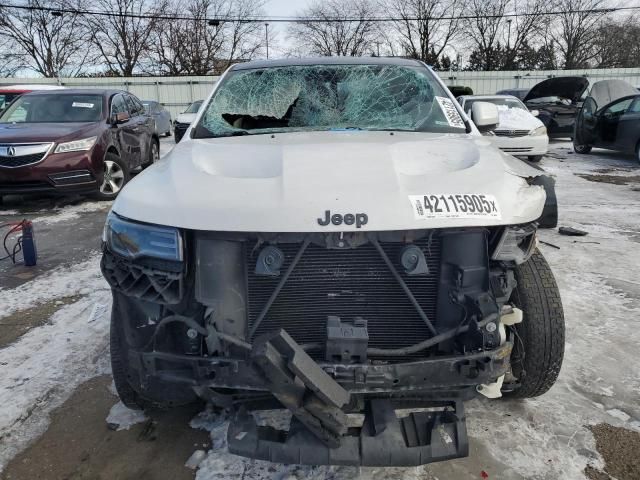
74,141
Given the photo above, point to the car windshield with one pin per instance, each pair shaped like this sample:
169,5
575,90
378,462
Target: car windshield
500,102
6,99
551,99
329,97
194,107
54,107
147,107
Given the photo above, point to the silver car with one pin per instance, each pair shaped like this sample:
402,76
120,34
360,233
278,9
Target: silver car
161,116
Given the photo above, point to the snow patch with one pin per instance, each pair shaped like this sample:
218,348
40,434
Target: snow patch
123,418
516,119
84,278
43,367
71,212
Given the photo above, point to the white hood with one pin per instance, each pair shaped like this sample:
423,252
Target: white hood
187,118
516,119
286,182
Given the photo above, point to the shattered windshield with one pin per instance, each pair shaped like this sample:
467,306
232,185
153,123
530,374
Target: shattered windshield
329,97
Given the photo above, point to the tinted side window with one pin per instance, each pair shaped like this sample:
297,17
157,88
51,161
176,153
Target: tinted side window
118,105
618,108
139,108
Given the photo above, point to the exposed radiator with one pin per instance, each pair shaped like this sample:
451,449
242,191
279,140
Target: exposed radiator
347,283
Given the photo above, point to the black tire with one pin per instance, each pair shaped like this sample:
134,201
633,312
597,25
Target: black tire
535,158
154,153
119,367
539,341
638,152
581,149
155,393
102,193
168,133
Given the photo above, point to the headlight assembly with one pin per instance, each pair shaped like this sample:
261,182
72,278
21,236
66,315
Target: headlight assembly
539,131
76,145
516,244
133,240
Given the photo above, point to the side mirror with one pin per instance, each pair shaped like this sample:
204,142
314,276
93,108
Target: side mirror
485,116
535,113
120,117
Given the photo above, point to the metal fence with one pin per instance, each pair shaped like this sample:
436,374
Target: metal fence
176,93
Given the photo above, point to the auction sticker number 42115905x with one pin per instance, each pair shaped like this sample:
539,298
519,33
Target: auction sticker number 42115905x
454,206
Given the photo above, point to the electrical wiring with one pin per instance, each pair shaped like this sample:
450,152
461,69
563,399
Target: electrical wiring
263,19
17,247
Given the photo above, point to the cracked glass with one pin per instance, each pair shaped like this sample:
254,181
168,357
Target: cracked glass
327,97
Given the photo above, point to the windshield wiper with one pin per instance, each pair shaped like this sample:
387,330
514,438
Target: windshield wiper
238,133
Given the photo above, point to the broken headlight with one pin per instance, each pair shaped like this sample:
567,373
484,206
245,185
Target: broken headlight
516,244
134,240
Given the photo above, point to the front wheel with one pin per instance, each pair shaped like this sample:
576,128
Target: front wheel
154,153
581,149
535,158
539,339
638,152
115,176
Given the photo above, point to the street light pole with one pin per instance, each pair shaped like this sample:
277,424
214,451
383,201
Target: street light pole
266,36
509,33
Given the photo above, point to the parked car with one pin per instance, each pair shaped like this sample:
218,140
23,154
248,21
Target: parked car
458,90
558,101
182,121
609,118
334,237
80,141
9,93
519,131
161,116
519,93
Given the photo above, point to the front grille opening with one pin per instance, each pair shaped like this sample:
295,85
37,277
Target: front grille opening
21,161
347,283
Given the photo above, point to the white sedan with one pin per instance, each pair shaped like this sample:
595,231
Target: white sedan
519,131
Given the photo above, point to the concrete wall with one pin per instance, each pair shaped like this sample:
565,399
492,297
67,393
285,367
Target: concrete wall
178,92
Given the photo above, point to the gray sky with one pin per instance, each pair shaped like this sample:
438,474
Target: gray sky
281,8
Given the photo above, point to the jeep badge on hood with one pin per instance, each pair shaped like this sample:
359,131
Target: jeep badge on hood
348,219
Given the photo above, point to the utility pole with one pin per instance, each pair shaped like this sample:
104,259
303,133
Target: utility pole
266,37
509,20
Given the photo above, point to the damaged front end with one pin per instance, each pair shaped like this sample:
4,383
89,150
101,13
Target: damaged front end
325,325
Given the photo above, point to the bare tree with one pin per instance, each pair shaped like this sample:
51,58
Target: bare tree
12,58
499,40
51,45
123,39
577,31
345,28
194,47
618,43
425,27
484,29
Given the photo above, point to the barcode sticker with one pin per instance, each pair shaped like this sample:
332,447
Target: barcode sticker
450,112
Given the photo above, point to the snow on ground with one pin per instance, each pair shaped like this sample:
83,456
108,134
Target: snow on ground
543,438
123,418
69,280
41,369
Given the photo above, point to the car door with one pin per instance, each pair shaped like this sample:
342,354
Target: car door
124,130
611,119
147,127
629,127
586,126
138,134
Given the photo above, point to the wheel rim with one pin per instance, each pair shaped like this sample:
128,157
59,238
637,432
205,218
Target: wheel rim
113,178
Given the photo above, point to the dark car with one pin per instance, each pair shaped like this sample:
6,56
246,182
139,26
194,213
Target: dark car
161,115
80,141
183,120
609,118
558,101
519,93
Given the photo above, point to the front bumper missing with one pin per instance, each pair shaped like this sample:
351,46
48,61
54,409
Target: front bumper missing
383,439
432,374
318,397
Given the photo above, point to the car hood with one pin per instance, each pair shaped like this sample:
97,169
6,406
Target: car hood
516,119
286,183
565,87
186,118
607,91
46,132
